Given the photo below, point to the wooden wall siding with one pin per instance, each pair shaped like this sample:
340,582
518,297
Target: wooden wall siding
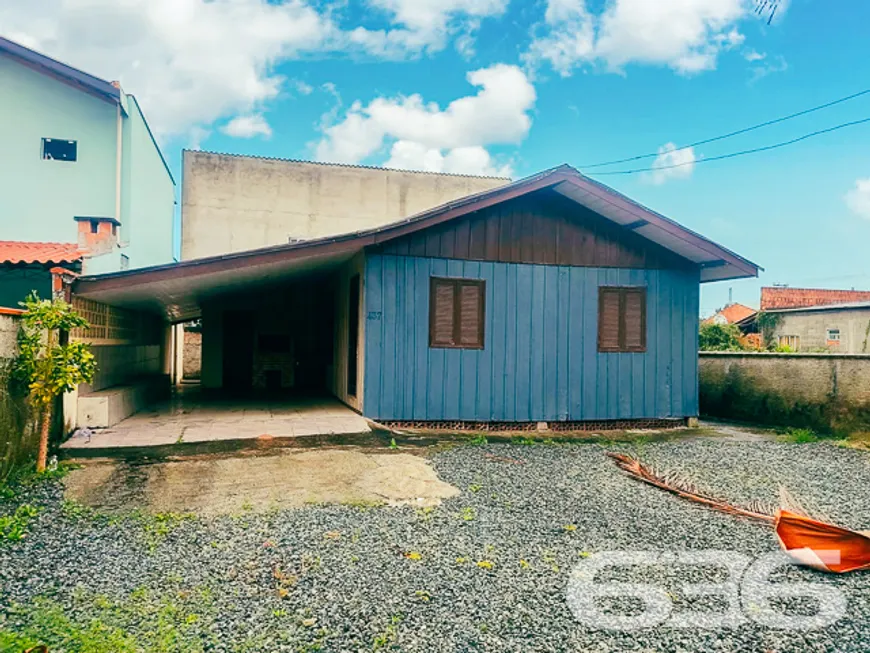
544,228
541,360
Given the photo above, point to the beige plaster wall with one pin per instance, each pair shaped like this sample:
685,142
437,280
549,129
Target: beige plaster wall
236,203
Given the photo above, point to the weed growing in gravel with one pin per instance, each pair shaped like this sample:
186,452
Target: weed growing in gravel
157,527
801,436
461,561
569,528
423,595
467,514
138,623
486,564
528,442
478,441
393,444
474,487
425,514
389,636
76,511
549,558
414,555
14,527
524,564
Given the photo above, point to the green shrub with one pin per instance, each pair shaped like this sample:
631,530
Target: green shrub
719,337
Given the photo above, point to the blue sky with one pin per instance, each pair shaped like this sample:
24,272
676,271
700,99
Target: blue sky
513,87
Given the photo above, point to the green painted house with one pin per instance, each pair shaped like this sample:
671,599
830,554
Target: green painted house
79,164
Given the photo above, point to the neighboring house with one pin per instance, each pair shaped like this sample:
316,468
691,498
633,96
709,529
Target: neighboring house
842,328
79,163
553,298
777,297
730,314
234,203
28,267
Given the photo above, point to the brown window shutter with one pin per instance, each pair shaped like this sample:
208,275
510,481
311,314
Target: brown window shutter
635,319
609,300
442,310
471,314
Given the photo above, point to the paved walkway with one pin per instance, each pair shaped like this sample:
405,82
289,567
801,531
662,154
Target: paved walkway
189,419
217,484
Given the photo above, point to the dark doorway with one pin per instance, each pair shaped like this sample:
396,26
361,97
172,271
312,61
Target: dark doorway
238,351
352,333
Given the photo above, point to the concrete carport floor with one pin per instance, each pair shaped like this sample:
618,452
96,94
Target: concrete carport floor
194,417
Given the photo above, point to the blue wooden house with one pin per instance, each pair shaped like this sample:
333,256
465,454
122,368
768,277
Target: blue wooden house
550,299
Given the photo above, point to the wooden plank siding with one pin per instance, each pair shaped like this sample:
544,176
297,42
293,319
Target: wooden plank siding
540,361
543,227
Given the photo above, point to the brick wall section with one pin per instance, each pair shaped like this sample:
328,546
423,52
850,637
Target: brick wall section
773,298
825,392
192,354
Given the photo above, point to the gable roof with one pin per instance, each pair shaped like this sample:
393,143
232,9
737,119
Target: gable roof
14,252
777,298
174,287
53,68
733,313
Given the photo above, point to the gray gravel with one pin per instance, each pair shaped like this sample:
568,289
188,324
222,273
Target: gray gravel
344,578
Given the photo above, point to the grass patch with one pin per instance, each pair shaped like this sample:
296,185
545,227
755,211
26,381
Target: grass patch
15,526
137,623
804,436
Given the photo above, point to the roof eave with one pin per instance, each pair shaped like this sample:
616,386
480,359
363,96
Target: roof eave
74,77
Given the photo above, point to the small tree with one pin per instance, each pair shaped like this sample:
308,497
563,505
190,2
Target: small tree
48,365
719,337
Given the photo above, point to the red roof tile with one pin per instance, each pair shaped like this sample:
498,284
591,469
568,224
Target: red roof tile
12,251
777,298
732,313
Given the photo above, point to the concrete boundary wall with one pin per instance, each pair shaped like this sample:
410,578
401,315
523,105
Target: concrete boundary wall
825,392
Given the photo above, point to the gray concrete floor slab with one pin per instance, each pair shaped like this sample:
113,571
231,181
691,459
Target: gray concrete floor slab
191,417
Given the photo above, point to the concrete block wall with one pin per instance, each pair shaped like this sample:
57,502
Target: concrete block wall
825,392
192,364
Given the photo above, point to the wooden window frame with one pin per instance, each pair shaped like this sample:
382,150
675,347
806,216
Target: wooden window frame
457,284
623,292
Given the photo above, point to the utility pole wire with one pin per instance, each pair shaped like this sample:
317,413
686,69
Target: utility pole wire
731,155
734,133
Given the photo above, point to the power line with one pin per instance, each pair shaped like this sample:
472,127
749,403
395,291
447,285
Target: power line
736,154
734,133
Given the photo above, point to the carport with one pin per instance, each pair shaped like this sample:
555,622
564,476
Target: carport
281,343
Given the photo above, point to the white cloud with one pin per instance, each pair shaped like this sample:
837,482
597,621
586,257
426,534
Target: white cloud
424,136
752,56
765,67
189,62
248,127
672,163
425,25
302,88
685,35
569,36
472,160
192,63
858,198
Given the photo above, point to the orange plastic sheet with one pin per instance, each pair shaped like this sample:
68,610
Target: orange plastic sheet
822,546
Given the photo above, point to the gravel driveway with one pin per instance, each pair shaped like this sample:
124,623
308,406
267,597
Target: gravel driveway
487,570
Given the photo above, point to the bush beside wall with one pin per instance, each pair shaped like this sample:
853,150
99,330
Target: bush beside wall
829,393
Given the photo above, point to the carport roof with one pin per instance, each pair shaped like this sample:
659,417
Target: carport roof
176,290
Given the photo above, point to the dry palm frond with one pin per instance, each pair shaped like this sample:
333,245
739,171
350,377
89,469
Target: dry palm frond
674,484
